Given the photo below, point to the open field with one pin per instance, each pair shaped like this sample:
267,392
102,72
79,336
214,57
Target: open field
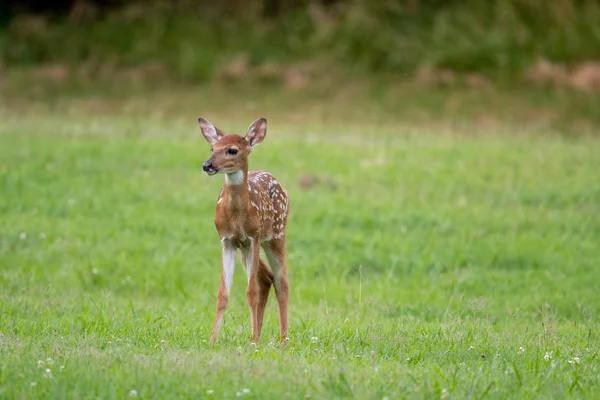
424,262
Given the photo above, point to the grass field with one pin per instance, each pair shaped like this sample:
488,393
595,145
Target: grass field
424,263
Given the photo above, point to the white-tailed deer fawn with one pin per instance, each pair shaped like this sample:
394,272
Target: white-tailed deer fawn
252,212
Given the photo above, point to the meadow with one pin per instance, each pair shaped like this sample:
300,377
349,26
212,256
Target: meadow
426,260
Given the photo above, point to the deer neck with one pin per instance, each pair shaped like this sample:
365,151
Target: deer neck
236,196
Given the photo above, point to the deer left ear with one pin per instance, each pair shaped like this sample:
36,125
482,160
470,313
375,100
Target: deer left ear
257,132
211,133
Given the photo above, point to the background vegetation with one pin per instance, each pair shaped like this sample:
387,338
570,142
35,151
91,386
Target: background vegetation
195,40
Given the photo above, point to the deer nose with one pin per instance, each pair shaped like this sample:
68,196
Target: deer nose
207,166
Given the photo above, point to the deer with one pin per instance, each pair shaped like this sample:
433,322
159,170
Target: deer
251,213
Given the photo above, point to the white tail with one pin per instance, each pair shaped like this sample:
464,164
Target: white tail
252,211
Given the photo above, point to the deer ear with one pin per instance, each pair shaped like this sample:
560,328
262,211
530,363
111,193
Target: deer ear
211,133
257,132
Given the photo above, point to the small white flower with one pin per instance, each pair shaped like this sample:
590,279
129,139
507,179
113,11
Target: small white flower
210,391
62,367
49,361
133,393
40,364
407,358
245,390
497,355
237,394
521,350
471,348
575,360
444,394
48,374
23,235
548,356
32,384
314,339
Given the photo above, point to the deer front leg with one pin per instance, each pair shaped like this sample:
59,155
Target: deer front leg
228,267
252,292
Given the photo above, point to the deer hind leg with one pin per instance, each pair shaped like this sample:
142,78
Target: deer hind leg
251,259
228,267
275,251
265,281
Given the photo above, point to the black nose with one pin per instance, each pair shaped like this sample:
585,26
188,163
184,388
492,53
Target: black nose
206,166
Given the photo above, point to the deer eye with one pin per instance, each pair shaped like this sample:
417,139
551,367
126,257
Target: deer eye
232,151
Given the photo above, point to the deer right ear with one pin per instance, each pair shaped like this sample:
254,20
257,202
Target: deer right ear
211,133
257,132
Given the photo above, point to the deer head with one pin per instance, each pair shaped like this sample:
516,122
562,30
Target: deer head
229,151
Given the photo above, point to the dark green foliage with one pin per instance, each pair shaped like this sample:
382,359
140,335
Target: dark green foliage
193,40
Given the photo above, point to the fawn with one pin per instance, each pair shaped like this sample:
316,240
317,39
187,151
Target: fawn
251,213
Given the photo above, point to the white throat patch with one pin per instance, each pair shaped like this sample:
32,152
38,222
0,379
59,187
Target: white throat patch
234,178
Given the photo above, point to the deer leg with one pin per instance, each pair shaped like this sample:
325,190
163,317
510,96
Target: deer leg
228,267
265,281
252,256
275,250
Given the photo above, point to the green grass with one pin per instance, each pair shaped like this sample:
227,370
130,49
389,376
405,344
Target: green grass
419,265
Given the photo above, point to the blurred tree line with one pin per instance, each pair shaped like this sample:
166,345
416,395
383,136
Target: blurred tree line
195,39
270,8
